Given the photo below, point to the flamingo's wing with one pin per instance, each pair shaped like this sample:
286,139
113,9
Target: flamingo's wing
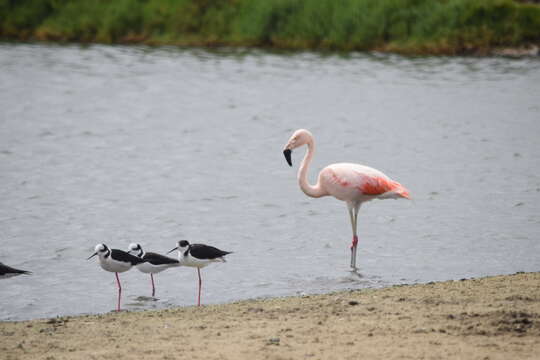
364,180
372,185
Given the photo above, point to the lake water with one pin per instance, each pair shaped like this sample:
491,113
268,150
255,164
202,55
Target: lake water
119,144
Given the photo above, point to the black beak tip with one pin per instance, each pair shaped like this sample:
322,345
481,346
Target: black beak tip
287,154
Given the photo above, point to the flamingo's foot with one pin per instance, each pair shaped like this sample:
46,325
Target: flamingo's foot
355,272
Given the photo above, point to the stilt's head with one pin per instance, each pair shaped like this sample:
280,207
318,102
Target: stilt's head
101,250
136,250
299,137
181,246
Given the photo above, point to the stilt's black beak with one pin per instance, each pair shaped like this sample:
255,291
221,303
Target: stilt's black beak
92,256
287,153
176,248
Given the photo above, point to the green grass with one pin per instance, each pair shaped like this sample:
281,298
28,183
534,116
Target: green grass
407,26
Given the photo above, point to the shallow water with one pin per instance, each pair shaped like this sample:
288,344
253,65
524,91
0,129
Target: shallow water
152,145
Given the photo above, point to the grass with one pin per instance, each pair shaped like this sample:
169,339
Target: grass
406,26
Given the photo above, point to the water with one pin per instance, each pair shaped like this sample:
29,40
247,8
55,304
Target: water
152,145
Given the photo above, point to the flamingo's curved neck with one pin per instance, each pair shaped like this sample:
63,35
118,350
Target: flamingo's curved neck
310,190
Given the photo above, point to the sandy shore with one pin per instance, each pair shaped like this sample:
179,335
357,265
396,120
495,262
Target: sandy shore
490,318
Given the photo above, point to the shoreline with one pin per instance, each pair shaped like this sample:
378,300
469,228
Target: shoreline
525,51
493,317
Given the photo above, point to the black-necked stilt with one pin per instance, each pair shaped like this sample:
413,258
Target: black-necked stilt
199,256
8,271
115,261
154,262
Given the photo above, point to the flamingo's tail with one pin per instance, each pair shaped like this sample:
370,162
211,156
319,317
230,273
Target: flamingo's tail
401,190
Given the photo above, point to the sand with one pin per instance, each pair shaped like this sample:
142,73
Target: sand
489,318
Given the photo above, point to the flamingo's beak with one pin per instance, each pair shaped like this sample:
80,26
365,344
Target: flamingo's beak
92,256
172,250
287,153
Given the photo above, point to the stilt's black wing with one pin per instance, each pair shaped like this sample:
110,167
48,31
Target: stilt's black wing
6,270
125,257
206,252
157,259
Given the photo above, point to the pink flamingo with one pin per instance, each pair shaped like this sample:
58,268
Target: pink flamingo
352,183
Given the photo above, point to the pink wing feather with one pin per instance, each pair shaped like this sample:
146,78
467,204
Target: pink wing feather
377,186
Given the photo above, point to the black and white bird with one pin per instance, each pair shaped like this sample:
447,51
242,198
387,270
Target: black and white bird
115,261
154,262
8,271
199,256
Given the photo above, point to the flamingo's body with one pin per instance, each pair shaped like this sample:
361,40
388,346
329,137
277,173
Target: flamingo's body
352,183
358,183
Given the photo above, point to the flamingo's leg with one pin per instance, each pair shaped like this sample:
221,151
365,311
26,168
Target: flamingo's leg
153,287
119,291
353,213
200,282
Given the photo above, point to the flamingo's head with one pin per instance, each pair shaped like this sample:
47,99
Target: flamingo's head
101,250
135,249
299,137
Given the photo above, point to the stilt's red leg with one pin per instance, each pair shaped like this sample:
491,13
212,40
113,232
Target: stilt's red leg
119,291
153,287
200,283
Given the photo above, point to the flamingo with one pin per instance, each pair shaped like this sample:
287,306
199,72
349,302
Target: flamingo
352,183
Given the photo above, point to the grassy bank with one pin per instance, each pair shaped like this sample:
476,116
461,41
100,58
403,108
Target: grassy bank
406,26
490,318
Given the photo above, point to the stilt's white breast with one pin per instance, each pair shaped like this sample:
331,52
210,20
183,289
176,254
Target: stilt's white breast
188,260
112,265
